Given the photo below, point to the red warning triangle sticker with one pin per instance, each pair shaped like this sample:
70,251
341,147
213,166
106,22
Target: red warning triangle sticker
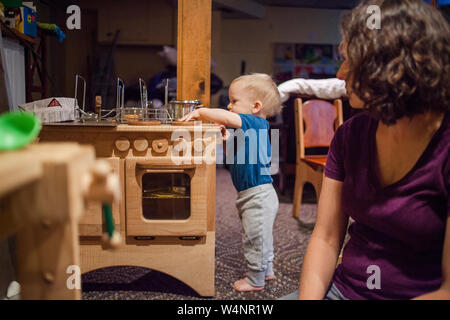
54,103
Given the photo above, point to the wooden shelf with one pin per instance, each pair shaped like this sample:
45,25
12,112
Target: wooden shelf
14,34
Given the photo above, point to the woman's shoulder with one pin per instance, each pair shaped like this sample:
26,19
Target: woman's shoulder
362,118
357,125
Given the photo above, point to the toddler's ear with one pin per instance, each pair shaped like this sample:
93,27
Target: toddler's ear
257,107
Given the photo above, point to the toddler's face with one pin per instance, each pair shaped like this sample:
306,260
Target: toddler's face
240,101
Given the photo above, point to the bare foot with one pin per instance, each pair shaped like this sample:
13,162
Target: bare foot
267,278
244,286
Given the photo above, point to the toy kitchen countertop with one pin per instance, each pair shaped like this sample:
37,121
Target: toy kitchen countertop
82,124
124,141
126,127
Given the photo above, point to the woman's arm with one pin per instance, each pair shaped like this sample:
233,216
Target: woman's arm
444,291
216,115
325,243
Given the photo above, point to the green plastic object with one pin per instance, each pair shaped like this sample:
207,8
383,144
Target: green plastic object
47,26
12,3
17,129
109,221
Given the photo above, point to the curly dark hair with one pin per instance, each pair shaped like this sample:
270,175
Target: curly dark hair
403,68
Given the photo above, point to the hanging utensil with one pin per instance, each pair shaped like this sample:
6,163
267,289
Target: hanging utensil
144,97
83,115
166,93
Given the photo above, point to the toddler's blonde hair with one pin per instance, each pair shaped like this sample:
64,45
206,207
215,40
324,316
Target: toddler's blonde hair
261,87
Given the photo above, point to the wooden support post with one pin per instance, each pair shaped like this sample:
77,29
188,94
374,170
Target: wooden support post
194,50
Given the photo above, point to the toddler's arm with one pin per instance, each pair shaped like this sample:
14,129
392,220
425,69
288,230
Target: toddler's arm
216,115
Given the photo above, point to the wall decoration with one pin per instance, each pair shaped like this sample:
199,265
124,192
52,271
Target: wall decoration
309,61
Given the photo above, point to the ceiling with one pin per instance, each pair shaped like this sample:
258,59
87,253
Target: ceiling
319,4
254,9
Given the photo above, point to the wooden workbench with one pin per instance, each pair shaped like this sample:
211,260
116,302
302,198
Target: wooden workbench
41,199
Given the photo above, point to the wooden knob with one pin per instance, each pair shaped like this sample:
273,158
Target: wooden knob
48,277
98,101
46,223
160,145
179,147
111,243
100,169
140,144
98,105
101,183
199,145
122,144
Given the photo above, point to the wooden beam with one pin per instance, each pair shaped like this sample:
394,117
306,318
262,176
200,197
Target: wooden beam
194,50
248,7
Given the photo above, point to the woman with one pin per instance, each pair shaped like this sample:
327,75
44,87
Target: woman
388,168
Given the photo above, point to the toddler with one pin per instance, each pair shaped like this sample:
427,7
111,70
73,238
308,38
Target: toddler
253,98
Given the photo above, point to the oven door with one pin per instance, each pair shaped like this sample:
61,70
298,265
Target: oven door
165,200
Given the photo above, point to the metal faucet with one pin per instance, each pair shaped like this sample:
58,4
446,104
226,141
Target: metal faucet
120,99
82,110
144,97
83,115
166,93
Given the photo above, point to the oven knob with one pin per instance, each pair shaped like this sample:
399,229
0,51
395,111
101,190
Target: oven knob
122,144
140,144
160,145
199,145
180,146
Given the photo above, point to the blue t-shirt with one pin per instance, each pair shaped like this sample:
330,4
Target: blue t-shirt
251,153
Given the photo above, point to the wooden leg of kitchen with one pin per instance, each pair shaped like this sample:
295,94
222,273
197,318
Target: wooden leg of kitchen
44,254
191,262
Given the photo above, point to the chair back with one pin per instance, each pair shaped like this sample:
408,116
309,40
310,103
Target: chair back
315,123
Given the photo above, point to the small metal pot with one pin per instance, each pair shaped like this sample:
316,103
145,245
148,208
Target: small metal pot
179,108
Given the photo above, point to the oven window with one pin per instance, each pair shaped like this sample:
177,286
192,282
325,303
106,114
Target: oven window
166,196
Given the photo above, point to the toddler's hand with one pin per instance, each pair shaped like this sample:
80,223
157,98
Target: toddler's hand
224,132
194,115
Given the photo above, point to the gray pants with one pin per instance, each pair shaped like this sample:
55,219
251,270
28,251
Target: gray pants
258,207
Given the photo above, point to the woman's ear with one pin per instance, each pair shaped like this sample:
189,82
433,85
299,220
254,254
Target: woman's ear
257,107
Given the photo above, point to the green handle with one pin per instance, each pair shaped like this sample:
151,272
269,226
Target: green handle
109,221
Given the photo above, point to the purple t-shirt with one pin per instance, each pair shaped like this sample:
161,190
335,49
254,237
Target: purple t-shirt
396,242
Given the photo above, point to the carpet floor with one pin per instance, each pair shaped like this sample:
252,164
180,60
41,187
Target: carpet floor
290,240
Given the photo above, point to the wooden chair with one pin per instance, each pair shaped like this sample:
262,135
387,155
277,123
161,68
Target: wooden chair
315,124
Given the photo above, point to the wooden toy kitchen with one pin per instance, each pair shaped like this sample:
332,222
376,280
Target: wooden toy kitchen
166,169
